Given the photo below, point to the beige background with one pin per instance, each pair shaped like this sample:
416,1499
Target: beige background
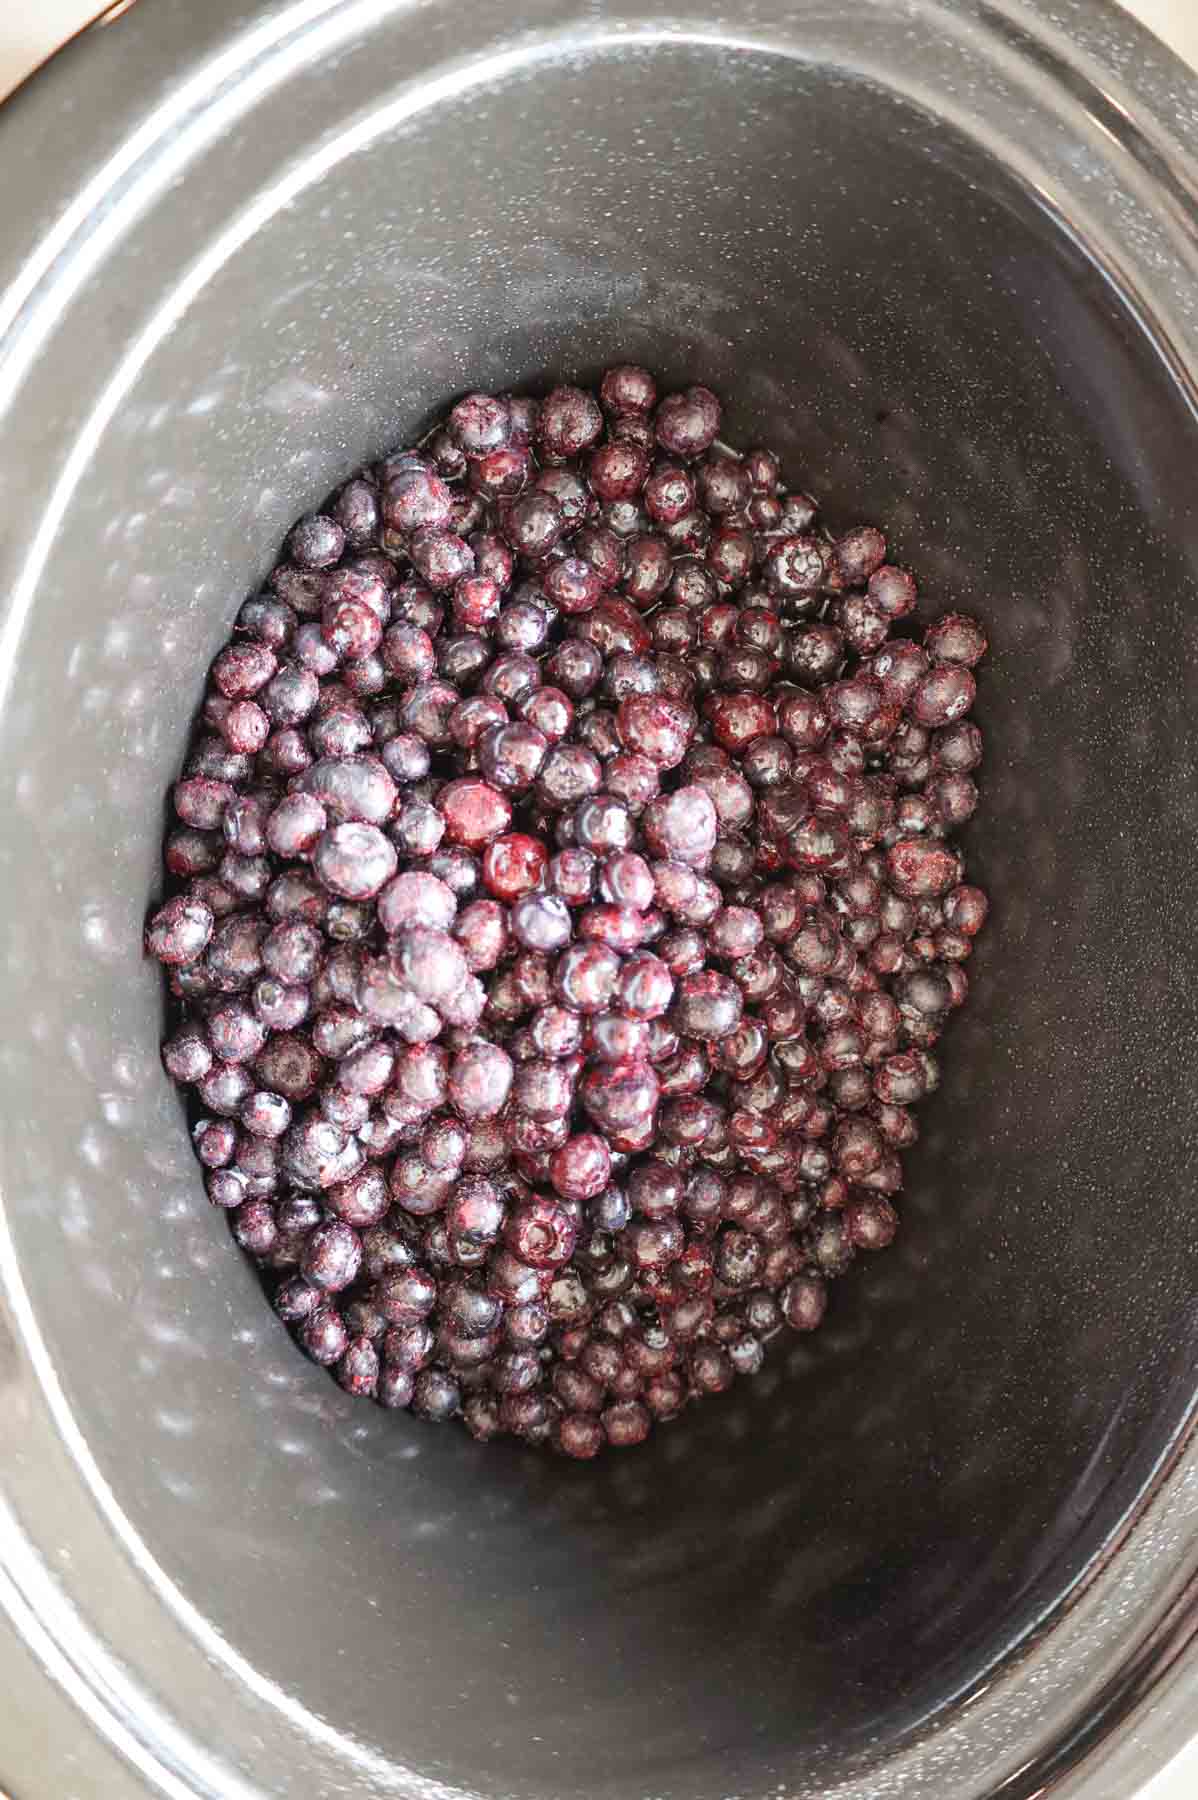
30,29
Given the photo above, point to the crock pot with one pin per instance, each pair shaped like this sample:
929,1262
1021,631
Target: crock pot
944,255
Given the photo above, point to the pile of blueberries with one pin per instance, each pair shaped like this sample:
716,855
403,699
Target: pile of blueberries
564,910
